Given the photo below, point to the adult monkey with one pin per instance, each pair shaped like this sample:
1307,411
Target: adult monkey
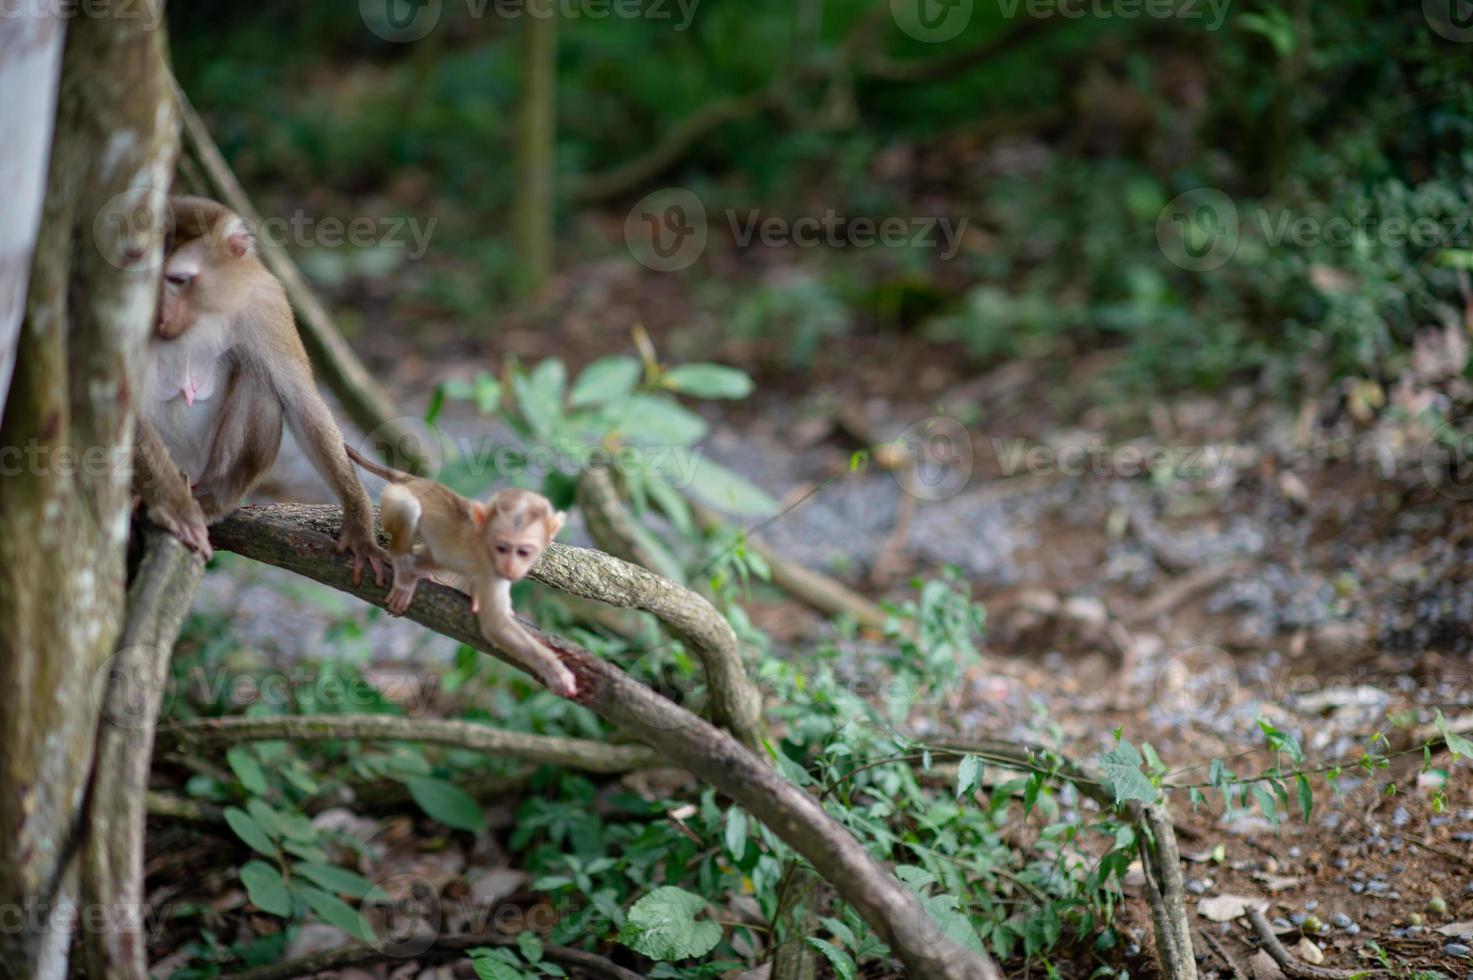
224,368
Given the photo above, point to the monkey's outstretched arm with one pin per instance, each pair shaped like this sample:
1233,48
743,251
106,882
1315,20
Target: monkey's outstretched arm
320,438
165,493
499,625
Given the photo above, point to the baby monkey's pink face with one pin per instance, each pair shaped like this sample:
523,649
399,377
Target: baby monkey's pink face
518,526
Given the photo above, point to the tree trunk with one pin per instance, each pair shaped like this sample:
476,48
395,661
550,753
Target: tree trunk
532,214
68,413
30,58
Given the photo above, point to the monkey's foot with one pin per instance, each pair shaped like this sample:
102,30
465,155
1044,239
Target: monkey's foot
366,551
189,529
406,577
560,680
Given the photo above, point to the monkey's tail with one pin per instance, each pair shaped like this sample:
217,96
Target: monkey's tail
377,469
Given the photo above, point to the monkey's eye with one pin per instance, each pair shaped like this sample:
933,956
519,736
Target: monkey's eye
179,279
502,549
524,552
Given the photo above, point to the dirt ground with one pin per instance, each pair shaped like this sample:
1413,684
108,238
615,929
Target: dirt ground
1305,563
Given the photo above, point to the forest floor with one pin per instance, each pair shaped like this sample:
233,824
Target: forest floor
1298,563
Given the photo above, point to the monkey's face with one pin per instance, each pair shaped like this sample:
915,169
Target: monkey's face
177,311
513,555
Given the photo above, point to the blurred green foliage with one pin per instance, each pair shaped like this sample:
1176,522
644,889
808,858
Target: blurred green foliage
1061,148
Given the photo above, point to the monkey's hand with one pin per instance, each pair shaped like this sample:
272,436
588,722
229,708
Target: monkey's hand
184,519
366,551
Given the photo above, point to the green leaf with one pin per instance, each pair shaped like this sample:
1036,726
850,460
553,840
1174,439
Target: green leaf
1456,744
540,395
307,852
838,959
335,911
734,494
708,381
663,926
529,946
651,420
249,831
243,763
736,833
968,775
446,803
604,380
1122,770
339,881
1306,796
495,969
267,818
487,393
265,888
671,503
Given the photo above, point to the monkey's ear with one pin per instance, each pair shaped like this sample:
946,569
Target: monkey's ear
238,238
479,513
555,523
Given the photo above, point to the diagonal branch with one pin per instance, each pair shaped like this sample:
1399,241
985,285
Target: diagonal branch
283,536
735,704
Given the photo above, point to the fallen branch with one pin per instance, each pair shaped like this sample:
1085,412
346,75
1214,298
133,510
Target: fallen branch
676,143
569,753
1240,972
136,676
814,589
443,949
1291,964
301,539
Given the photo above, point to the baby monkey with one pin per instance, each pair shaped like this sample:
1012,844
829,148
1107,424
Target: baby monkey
492,545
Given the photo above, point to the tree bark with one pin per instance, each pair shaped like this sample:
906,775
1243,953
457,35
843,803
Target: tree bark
301,539
30,62
91,297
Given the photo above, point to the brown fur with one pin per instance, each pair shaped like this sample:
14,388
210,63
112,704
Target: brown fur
267,380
